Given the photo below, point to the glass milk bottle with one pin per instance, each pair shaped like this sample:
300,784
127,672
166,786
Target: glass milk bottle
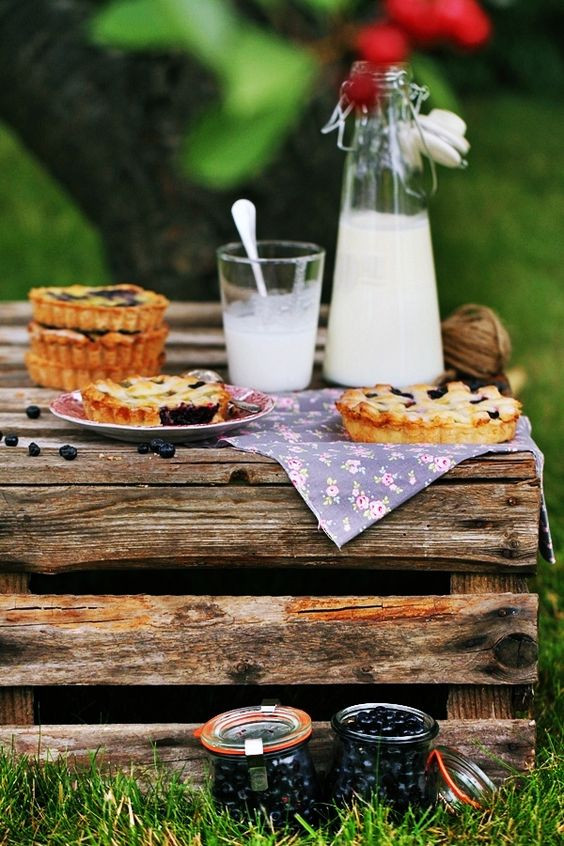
384,324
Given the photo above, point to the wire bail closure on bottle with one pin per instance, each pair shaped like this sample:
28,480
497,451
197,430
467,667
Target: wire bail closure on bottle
417,94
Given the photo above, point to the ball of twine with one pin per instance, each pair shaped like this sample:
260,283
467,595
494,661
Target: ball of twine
475,341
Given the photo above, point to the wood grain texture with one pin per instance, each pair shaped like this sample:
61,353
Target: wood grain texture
498,746
178,314
16,703
483,701
54,528
46,640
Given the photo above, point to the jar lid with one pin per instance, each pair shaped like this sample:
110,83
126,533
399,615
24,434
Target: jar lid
459,780
382,722
278,727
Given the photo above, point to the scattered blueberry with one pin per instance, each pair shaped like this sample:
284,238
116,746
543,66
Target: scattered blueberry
11,440
167,450
156,444
437,393
68,452
143,448
33,449
1,436
33,412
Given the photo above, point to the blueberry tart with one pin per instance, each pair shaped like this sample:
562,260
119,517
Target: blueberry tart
448,414
118,308
97,349
160,400
52,374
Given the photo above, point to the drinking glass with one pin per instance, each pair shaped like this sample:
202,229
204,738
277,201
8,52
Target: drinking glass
270,312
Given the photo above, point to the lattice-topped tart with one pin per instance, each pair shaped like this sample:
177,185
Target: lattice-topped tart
160,400
118,308
429,414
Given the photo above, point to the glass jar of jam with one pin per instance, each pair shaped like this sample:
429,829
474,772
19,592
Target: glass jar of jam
261,762
382,749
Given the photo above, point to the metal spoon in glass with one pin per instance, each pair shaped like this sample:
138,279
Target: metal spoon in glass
213,376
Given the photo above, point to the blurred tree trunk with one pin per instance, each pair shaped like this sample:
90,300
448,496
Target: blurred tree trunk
108,125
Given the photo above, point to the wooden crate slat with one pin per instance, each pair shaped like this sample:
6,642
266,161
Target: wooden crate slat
16,703
143,639
64,527
192,464
178,314
498,746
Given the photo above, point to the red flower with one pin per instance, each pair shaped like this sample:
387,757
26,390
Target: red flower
383,44
427,21
418,18
465,22
360,88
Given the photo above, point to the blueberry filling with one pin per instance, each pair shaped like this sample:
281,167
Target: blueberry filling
493,414
475,402
195,385
398,393
437,393
187,414
127,297
369,396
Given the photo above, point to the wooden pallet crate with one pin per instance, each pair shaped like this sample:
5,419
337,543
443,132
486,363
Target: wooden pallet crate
433,597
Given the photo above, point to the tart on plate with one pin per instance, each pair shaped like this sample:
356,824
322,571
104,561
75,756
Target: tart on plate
159,400
118,308
448,414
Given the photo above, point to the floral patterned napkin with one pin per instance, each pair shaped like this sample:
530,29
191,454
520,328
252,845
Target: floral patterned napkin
349,486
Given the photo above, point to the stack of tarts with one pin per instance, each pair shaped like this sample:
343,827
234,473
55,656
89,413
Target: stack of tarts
79,334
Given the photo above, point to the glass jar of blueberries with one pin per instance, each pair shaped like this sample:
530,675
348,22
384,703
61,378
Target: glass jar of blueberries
382,749
261,764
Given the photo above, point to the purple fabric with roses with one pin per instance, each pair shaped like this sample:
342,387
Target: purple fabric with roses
349,486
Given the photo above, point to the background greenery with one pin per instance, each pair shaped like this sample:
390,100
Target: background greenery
497,232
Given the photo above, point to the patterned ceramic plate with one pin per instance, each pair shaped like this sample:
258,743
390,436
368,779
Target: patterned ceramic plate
69,407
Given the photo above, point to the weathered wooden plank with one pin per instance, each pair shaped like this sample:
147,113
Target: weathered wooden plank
181,314
50,433
146,639
16,703
498,746
483,701
48,529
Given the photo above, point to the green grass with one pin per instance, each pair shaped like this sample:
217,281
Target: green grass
498,241
54,805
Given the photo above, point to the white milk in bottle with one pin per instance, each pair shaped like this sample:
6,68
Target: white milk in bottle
384,321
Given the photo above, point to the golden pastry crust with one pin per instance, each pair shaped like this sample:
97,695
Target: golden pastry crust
104,352
429,414
162,400
51,374
127,308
